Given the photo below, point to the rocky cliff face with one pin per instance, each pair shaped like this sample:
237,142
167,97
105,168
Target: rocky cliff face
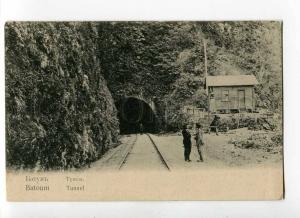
59,111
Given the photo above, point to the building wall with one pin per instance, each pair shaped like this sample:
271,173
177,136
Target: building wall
231,101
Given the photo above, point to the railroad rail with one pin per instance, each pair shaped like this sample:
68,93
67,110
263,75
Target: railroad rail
127,152
163,160
120,151
120,157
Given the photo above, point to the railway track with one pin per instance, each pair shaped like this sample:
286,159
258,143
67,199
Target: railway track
138,152
129,153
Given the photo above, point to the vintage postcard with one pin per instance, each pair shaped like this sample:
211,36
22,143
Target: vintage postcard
99,111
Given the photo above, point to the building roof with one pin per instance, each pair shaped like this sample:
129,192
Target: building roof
231,80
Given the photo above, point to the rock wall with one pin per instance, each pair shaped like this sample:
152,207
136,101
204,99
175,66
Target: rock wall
59,111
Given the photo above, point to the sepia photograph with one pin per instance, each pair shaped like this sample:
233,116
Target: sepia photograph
101,110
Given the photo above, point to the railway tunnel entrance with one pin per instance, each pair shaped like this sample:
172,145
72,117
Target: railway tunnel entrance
136,114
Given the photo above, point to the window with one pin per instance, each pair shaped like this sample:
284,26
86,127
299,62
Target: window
225,95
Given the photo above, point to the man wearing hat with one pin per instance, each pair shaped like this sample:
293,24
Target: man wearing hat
199,141
187,144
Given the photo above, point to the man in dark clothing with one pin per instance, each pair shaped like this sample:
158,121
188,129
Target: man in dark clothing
186,143
215,125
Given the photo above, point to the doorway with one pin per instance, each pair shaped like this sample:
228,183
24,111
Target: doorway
242,103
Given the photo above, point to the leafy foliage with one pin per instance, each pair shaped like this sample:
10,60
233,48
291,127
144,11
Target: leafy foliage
165,60
60,113
137,58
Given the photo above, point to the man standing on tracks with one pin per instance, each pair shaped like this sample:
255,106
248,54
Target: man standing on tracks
199,141
187,144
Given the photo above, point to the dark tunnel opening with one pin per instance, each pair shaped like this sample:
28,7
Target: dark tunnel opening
136,116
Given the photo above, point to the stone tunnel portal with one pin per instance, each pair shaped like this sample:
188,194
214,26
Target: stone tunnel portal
136,115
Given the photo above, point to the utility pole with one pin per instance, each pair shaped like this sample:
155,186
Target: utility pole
205,65
205,71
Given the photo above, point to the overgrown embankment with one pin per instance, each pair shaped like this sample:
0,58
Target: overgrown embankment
59,111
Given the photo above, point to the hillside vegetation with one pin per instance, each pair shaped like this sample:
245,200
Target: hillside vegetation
165,60
63,79
59,111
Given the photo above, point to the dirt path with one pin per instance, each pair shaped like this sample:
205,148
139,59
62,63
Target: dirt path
218,152
221,148
172,149
136,152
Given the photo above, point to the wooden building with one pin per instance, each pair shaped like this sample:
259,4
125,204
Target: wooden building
232,93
